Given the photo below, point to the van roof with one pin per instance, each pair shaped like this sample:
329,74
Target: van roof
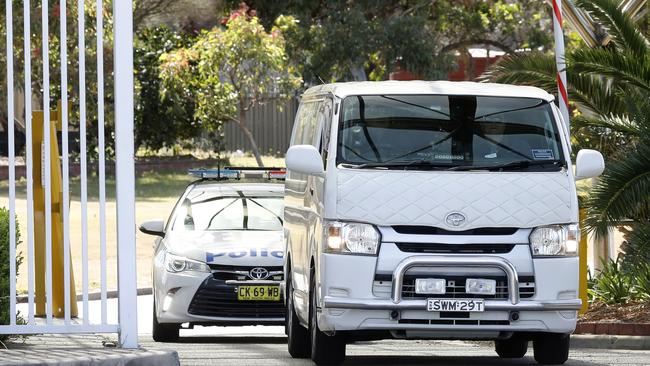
428,87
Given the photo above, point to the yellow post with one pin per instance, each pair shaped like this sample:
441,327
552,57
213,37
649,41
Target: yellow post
58,285
582,250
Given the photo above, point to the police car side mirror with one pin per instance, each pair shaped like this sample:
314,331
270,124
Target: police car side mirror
305,159
589,164
153,227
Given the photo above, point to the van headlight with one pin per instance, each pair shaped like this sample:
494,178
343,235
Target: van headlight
351,238
174,263
555,240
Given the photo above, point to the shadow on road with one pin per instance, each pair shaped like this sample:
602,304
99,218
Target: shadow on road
449,361
234,340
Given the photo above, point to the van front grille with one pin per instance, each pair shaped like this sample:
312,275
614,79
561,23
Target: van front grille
455,248
432,230
456,288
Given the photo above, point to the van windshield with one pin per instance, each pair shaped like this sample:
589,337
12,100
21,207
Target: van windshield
448,132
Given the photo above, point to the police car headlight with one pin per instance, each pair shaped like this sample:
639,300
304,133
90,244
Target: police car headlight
555,240
351,238
175,264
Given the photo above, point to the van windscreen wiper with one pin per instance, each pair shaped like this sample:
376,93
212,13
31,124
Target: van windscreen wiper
519,164
420,164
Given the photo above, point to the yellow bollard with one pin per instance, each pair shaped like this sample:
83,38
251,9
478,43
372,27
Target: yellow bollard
58,285
582,250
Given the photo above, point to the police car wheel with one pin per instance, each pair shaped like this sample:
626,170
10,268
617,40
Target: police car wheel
325,349
514,347
162,332
551,348
297,335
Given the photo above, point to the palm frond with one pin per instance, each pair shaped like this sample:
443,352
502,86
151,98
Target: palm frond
621,68
539,69
621,27
623,192
636,248
595,93
617,123
531,68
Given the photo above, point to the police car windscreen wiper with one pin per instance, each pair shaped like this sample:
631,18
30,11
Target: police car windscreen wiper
419,164
519,164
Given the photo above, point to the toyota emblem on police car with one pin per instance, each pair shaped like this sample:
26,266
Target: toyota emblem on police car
455,219
259,273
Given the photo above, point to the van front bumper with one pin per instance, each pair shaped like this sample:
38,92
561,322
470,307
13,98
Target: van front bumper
349,313
490,305
397,303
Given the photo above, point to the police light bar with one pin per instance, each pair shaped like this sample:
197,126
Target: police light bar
240,173
215,173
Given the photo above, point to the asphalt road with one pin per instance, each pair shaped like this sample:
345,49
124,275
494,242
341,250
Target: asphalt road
243,346
266,346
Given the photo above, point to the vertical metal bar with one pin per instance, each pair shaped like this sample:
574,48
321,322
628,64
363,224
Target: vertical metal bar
29,162
46,152
12,163
81,20
124,173
63,44
102,157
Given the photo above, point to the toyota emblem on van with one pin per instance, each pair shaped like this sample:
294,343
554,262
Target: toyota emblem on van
455,219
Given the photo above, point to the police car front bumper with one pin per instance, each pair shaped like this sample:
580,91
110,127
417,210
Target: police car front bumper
205,300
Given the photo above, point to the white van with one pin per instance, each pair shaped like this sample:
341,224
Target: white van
437,210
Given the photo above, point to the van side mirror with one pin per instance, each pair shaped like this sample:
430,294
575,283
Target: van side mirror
153,227
589,164
305,159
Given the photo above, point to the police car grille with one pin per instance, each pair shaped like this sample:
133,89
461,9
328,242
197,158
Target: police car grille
215,298
456,288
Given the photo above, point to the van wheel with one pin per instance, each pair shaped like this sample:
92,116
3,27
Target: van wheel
325,349
551,348
297,335
162,332
511,348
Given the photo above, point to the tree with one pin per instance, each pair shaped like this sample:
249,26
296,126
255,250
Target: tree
160,120
343,40
230,70
611,86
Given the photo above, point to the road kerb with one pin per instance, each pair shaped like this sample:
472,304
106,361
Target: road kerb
604,341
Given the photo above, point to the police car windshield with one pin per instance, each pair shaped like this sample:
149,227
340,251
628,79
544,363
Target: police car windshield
438,132
229,213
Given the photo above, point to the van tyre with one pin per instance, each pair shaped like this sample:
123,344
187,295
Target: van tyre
162,332
325,349
551,348
511,348
297,335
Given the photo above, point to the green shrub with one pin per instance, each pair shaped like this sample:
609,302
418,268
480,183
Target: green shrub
4,263
641,275
611,284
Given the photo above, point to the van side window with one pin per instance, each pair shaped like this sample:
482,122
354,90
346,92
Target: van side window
309,123
296,136
324,121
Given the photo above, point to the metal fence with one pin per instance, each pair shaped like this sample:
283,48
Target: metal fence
48,188
270,124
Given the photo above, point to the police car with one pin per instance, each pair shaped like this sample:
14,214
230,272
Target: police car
219,258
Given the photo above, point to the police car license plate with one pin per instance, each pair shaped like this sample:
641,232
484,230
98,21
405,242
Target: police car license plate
471,305
258,293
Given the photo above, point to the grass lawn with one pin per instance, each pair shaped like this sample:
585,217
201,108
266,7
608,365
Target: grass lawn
156,195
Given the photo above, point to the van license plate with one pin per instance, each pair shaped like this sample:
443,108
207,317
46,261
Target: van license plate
473,305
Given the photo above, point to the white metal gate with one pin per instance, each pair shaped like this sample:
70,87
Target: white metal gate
122,15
